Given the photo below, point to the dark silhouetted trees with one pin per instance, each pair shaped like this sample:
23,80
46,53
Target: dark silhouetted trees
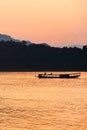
18,56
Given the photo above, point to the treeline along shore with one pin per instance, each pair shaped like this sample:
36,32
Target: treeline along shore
18,56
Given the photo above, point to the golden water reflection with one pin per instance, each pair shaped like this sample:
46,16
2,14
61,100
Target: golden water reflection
29,103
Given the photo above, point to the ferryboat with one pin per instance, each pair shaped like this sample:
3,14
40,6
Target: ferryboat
67,75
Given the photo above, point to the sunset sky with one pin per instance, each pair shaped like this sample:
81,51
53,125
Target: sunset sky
56,22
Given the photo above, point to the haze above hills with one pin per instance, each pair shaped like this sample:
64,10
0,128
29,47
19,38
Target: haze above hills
5,37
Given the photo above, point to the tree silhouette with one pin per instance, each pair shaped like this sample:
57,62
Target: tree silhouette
18,56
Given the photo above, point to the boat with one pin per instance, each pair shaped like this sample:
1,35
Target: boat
67,75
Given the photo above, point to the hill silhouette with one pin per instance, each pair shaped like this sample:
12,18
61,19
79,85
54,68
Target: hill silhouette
18,56
4,37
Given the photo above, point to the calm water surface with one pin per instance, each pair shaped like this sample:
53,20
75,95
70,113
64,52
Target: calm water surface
29,103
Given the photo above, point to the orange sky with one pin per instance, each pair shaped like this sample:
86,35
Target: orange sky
56,22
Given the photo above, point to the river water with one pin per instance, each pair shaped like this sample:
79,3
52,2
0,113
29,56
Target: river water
29,103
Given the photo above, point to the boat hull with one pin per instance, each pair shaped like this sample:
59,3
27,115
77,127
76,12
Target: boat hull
72,75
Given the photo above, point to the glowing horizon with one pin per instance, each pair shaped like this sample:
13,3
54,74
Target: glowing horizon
56,22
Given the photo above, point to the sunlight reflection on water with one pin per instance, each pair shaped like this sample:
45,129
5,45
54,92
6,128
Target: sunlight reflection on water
29,103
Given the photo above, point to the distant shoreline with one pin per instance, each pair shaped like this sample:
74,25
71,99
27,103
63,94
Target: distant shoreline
20,57
42,70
